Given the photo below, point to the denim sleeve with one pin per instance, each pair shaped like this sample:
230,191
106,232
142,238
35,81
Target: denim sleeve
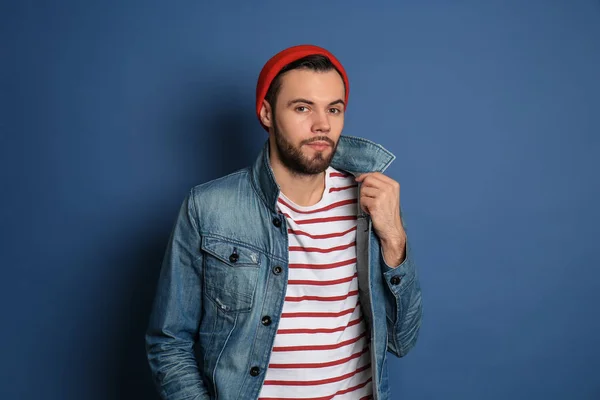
403,303
175,316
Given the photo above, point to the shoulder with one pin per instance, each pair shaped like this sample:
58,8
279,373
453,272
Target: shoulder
222,195
222,185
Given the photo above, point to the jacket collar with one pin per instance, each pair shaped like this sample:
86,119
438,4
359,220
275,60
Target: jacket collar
354,155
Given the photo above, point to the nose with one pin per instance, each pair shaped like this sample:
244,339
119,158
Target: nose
321,122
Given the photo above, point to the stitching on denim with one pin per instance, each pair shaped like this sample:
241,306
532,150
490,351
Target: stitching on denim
220,354
230,240
378,148
210,342
192,210
202,185
258,192
238,264
254,184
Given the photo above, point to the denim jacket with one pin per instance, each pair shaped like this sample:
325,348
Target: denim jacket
209,298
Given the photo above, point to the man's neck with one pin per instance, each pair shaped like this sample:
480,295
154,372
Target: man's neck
303,190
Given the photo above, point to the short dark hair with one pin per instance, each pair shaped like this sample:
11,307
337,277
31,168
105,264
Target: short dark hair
314,62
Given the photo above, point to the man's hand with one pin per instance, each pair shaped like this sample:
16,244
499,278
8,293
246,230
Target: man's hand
380,198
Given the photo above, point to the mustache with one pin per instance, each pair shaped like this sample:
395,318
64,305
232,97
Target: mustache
318,139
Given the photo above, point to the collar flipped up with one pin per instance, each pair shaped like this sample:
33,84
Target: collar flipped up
354,155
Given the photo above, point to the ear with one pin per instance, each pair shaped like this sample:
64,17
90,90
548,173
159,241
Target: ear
266,114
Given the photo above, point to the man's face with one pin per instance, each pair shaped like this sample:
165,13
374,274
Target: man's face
309,118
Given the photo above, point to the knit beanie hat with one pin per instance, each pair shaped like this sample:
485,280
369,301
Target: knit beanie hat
285,57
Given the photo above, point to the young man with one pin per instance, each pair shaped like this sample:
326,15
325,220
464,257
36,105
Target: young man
293,276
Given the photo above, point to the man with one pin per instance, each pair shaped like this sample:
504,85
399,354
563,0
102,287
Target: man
293,276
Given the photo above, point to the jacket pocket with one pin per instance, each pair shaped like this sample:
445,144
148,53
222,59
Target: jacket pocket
230,273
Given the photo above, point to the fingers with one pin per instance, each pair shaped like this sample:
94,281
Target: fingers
367,203
377,180
378,192
369,191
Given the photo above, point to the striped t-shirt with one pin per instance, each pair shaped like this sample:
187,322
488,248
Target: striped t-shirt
321,346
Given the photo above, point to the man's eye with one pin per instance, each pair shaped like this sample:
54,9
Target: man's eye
334,110
301,108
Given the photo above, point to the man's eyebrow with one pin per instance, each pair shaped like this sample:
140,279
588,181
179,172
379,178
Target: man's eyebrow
294,101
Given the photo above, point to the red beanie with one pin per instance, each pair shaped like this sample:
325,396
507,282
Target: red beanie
283,58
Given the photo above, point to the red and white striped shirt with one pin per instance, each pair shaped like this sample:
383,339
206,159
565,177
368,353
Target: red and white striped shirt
321,346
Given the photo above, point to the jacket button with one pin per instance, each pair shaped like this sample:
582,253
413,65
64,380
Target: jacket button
254,371
234,257
277,270
277,222
266,320
395,280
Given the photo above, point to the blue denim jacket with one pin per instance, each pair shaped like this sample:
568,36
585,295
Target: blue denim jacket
215,301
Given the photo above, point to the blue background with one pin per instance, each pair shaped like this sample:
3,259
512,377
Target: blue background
112,110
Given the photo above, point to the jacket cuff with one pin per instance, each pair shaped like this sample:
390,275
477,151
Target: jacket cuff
398,278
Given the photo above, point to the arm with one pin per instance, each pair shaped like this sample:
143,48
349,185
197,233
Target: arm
380,198
403,302
175,315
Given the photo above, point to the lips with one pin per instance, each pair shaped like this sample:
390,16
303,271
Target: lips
319,145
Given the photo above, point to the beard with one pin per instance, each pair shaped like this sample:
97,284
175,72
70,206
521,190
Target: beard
298,163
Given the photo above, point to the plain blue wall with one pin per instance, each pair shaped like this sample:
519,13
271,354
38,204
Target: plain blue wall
111,111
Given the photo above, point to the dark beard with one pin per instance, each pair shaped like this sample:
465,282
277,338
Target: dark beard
296,162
